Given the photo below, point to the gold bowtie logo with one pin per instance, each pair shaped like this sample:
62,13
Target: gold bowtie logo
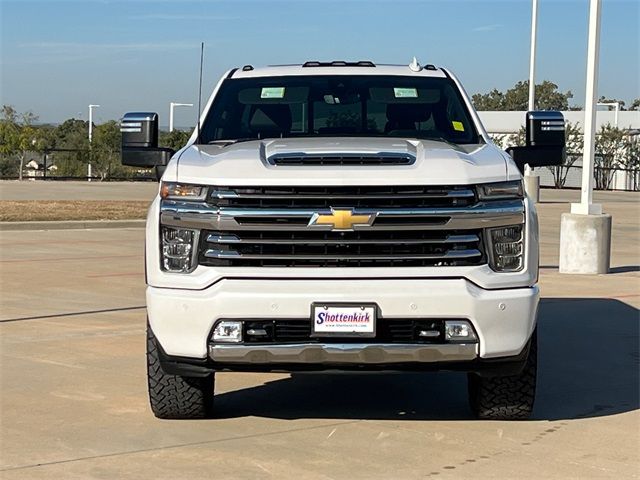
342,219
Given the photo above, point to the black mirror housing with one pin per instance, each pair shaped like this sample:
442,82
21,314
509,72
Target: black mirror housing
140,141
545,141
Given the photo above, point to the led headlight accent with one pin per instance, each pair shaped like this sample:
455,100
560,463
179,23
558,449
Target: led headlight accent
178,249
507,248
501,190
182,191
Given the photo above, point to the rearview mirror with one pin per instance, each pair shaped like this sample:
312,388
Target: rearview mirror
545,141
140,141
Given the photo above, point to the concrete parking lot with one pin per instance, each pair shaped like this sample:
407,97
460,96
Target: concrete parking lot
73,399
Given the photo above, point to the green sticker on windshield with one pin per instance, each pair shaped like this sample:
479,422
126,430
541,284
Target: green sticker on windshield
272,92
405,92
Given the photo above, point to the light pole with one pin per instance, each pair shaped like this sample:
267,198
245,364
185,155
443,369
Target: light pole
531,181
585,233
91,107
615,105
172,105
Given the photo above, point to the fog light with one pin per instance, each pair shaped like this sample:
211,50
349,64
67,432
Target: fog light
459,330
228,331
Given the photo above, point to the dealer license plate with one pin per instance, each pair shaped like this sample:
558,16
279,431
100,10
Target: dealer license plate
343,320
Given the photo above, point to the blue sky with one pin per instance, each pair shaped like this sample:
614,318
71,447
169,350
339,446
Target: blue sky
59,56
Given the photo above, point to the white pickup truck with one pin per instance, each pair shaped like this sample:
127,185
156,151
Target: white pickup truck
341,215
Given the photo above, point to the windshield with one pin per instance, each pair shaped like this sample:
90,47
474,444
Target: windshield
344,106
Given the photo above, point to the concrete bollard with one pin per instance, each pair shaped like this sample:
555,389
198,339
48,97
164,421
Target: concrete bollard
532,187
585,243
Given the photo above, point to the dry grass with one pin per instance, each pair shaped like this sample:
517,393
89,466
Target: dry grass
51,210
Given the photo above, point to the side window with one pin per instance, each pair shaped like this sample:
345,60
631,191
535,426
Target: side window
458,123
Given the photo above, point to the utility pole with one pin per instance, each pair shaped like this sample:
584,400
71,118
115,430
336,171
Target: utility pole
532,181
91,107
585,233
172,105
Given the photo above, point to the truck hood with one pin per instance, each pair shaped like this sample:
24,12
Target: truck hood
246,163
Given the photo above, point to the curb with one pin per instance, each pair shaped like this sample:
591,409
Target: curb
71,225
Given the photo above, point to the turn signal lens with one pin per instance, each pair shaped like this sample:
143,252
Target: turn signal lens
181,191
501,190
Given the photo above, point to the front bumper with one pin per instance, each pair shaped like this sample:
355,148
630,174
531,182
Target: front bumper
182,320
342,353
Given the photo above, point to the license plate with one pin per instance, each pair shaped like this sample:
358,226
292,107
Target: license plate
343,320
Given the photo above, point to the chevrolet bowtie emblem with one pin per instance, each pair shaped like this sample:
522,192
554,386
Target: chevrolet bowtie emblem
342,219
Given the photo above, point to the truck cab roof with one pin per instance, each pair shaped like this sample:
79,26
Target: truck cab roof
363,67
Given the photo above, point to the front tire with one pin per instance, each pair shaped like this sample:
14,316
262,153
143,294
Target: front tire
506,398
175,396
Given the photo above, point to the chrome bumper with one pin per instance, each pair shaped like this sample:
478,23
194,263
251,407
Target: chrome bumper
343,353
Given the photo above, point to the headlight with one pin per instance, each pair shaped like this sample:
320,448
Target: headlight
182,191
500,190
506,248
179,249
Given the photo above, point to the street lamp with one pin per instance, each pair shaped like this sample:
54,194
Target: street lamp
91,107
172,105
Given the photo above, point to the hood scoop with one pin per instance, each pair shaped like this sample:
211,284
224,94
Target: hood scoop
355,151
350,159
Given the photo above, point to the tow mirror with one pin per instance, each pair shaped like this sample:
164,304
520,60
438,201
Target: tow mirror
545,141
140,141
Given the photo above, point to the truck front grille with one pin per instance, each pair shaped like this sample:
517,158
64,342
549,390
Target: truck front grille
412,226
365,248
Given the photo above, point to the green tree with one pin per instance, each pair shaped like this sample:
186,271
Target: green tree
18,136
494,100
9,132
105,149
548,97
610,154
72,134
635,105
175,140
573,143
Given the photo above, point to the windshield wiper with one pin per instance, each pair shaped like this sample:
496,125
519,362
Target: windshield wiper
231,141
440,139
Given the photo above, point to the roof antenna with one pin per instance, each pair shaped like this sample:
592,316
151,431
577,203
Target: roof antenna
200,90
414,66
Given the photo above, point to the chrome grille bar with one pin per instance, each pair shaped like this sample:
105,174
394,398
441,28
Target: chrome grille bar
203,216
234,239
449,255
232,194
